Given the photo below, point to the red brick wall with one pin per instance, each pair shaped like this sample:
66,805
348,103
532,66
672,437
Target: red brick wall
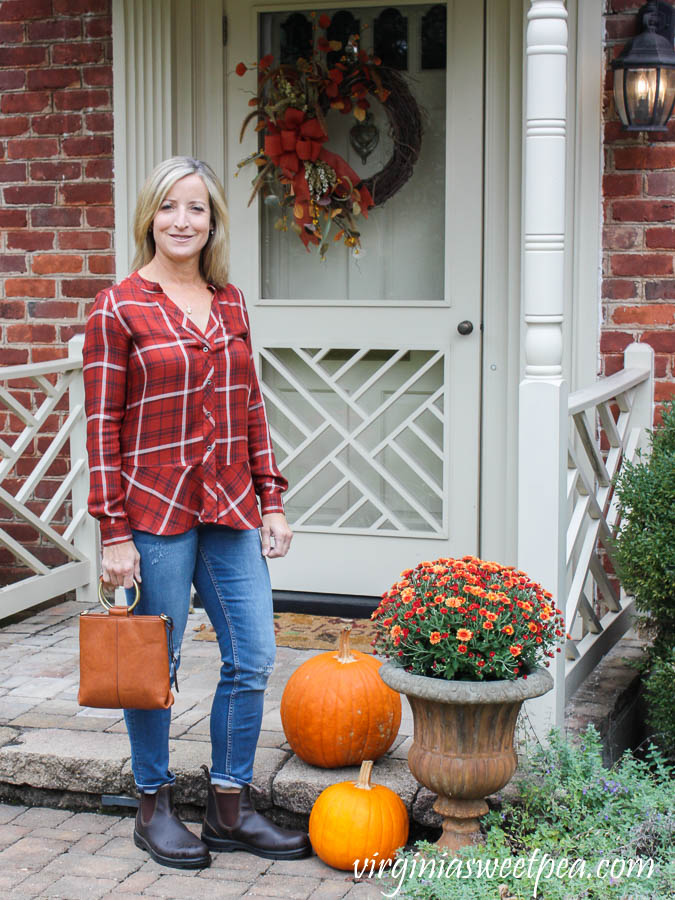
638,291
56,144
56,212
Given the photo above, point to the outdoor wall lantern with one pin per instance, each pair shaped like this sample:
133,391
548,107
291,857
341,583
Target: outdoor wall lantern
644,72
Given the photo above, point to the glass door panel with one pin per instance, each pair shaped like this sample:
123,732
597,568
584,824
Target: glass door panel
403,241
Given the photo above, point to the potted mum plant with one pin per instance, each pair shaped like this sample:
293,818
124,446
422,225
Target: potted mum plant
468,642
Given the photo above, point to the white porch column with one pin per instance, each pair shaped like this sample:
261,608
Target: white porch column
168,96
143,104
542,431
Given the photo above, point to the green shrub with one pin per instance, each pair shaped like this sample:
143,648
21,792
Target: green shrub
645,543
659,684
571,808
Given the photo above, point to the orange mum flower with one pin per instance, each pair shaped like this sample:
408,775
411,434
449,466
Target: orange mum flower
464,634
462,648
508,629
435,637
488,625
515,649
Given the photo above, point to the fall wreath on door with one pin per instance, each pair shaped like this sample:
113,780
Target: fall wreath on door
321,196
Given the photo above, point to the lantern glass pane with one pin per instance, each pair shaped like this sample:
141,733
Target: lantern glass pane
649,95
619,96
641,95
666,97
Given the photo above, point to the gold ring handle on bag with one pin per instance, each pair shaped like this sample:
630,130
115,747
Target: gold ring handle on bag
106,605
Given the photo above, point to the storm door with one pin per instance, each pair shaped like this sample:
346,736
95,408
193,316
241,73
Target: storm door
369,358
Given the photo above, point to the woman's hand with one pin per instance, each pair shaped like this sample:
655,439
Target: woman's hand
121,564
275,535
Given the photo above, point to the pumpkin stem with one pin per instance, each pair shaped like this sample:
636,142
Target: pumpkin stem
363,781
344,650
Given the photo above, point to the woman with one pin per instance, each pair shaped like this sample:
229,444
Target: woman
178,448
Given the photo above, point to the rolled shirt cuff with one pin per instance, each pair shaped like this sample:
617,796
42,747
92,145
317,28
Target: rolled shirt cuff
115,530
271,502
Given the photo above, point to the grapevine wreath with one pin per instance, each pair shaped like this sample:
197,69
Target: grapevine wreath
294,164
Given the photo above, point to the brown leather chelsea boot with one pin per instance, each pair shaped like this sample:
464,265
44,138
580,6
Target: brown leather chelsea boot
159,831
231,823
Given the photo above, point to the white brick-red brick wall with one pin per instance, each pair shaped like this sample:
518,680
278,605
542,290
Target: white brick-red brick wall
638,290
56,145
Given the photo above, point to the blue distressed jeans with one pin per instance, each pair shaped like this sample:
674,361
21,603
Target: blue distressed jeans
231,578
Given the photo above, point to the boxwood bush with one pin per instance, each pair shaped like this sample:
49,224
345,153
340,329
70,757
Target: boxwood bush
645,555
645,543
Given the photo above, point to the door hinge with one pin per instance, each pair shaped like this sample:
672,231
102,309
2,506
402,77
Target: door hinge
224,31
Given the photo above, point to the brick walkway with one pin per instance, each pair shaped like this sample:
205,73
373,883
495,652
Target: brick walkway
87,856
56,753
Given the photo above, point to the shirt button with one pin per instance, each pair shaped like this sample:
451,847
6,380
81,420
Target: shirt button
205,349
209,448
208,381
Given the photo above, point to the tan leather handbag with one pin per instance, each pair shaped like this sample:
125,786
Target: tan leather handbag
124,658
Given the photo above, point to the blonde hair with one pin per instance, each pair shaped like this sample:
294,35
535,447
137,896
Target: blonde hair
215,257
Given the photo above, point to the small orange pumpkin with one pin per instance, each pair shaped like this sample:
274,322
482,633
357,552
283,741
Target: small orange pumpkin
357,820
336,710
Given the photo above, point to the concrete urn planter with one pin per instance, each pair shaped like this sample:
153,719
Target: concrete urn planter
463,742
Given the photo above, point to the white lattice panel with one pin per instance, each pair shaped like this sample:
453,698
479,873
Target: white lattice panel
361,436
48,530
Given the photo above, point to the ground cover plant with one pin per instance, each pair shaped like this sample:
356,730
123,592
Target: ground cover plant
577,828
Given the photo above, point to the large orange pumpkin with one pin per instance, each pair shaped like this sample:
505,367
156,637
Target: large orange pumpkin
336,710
357,821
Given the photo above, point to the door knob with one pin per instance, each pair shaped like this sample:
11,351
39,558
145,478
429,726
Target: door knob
465,327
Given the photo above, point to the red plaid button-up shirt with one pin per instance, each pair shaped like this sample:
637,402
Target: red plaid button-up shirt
176,426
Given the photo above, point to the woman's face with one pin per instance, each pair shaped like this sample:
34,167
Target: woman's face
182,222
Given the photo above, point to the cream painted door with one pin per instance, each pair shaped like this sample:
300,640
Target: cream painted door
372,393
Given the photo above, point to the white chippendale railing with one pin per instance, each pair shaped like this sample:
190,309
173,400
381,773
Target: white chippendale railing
568,510
34,393
608,425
